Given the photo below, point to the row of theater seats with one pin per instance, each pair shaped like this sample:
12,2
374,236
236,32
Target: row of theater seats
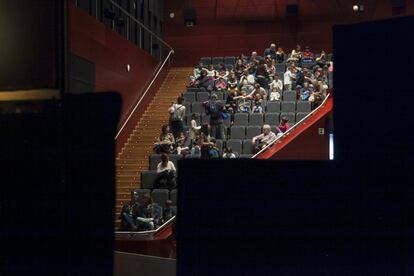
159,196
191,97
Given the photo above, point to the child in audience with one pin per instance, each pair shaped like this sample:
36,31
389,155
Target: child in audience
220,84
243,102
166,141
276,88
257,106
194,128
283,126
228,153
232,83
305,92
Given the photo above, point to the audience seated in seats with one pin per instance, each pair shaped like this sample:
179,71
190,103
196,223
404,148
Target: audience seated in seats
215,108
239,68
220,84
222,71
321,59
156,213
246,80
299,77
231,103
262,77
177,114
305,92
253,57
280,55
270,68
276,88
166,141
194,128
316,98
184,144
271,51
258,90
130,212
262,140
257,104
211,73
197,71
204,81
307,55
283,126
166,174
135,216
232,82
228,153
295,55
244,103
169,211
210,149
288,78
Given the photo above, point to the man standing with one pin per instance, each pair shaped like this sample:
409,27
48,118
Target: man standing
215,108
270,51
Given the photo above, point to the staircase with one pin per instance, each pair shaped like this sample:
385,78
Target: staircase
134,156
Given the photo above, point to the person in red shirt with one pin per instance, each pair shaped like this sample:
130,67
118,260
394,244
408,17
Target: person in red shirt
283,126
307,54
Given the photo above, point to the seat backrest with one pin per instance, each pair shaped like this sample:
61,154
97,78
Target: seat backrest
189,97
147,179
202,96
173,197
252,131
143,192
247,146
289,96
154,160
235,145
229,60
246,156
197,107
303,106
220,95
290,117
174,158
219,143
280,67
241,119
237,132
205,60
272,118
193,156
205,119
217,60
159,196
273,107
256,119
288,106
187,107
301,115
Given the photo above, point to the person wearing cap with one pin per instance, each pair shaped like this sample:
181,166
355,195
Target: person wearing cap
215,108
262,140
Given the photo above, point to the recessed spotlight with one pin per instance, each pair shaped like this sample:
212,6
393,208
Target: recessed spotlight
355,8
172,15
128,67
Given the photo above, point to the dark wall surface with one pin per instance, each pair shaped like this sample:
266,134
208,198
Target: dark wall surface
31,48
350,216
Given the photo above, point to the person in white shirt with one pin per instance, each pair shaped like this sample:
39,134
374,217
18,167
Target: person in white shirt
276,88
194,129
262,140
246,80
288,77
177,114
166,174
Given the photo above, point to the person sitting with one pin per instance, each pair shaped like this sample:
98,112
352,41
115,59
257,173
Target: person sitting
228,153
271,51
257,104
220,84
183,144
295,55
276,88
232,83
246,80
166,174
239,68
254,57
169,211
283,126
194,129
262,77
264,139
258,90
197,71
144,219
222,71
307,55
166,141
243,102
210,149
321,59
270,68
280,55
129,213
211,73
231,103
305,92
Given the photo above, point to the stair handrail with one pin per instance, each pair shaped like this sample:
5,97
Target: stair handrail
143,234
143,95
293,127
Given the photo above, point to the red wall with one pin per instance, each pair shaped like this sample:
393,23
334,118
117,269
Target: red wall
111,53
217,35
309,145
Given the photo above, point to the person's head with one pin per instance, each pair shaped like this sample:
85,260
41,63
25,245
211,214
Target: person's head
134,196
254,54
168,203
213,97
203,73
243,92
239,61
210,67
307,48
266,129
257,86
298,48
200,66
229,150
246,72
180,100
272,46
165,129
284,120
279,49
165,158
306,85
194,116
322,52
276,77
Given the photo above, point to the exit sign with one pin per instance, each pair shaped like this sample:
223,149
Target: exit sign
321,131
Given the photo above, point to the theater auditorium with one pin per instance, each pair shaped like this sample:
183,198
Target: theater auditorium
206,137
